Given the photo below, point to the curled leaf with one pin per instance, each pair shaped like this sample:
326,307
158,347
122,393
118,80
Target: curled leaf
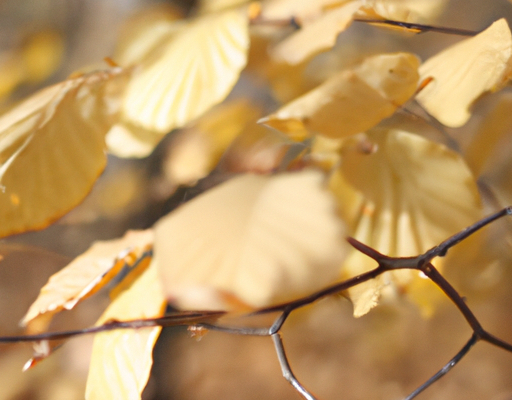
52,148
121,360
403,198
353,100
84,276
255,240
465,71
189,73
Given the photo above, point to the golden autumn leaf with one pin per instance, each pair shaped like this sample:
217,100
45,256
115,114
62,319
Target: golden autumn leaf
196,150
353,100
186,75
121,359
52,148
403,198
144,32
316,34
84,276
491,135
404,10
465,71
257,240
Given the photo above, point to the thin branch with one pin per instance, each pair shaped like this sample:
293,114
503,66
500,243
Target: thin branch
447,368
442,249
419,28
434,275
286,369
178,319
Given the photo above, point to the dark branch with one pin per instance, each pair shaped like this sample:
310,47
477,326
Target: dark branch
419,28
447,368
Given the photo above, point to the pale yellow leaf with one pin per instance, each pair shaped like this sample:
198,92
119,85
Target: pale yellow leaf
144,31
316,36
121,360
353,100
404,10
52,148
194,70
195,151
491,136
403,198
84,276
126,140
262,239
465,71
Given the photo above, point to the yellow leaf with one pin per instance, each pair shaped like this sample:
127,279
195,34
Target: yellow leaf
403,198
143,32
126,140
52,149
121,360
193,71
493,131
84,276
353,100
405,10
316,36
256,150
262,239
196,150
464,71
42,55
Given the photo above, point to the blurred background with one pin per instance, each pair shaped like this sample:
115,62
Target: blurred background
383,355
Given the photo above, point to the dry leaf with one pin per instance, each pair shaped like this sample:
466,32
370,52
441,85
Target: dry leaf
353,100
317,35
401,199
464,71
84,276
144,32
121,360
404,10
52,148
261,239
195,151
194,70
492,135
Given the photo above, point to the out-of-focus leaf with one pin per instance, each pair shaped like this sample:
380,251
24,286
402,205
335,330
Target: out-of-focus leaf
257,240
492,132
465,71
196,150
403,198
127,140
42,55
143,32
353,100
315,35
404,10
121,360
84,276
52,148
257,150
193,71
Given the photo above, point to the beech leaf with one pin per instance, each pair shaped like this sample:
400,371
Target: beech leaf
121,359
254,240
353,100
52,148
402,199
465,71
194,70
317,35
84,276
